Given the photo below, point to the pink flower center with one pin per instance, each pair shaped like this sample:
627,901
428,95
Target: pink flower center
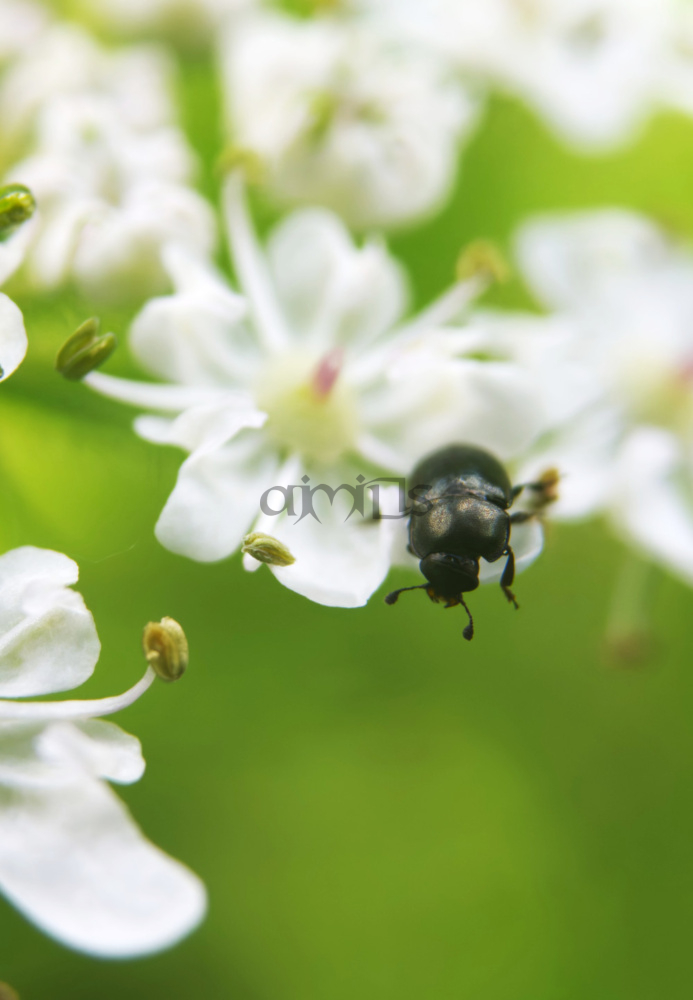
327,372
685,371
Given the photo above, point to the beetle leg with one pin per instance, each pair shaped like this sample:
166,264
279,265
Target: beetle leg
521,516
468,631
508,577
545,489
392,597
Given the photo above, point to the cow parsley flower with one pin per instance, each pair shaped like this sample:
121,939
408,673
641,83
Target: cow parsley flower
109,172
64,60
311,377
594,69
344,117
71,857
626,290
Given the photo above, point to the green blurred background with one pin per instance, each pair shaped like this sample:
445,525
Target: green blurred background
379,809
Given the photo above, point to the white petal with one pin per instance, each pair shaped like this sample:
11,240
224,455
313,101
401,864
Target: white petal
551,350
215,499
194,337
94,747
54,251
571,259
584,452
48,641
334,292
204,428
13,342
120,251
158,430
39,755
430,397
339,562
74,862
651,505
154,395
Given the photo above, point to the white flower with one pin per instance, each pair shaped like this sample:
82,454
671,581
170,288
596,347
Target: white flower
626,290
71,857
315,374
592,68
345,117
109,200
589,66
65,60
109,173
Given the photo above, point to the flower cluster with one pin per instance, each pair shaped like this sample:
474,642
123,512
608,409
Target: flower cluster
594,69
308,367
366,107
105,161
625,289
312,372
344,116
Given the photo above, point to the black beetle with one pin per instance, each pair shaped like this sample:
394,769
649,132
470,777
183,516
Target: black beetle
464,518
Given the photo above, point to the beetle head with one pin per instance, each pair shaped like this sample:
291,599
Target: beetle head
450,575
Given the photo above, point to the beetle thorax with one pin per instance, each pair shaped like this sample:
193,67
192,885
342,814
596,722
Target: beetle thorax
463,525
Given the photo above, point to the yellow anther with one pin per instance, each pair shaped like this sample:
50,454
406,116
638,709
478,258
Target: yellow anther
247,161
267,549
166,648
482,259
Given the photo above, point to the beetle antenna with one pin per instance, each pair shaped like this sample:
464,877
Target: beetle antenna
468,632
392,598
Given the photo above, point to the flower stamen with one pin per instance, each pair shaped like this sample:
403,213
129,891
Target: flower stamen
88,708
251,267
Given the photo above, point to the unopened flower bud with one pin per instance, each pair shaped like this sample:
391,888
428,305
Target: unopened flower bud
267,549
246,160
85,350
7,993
17,205
166,648
482,258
